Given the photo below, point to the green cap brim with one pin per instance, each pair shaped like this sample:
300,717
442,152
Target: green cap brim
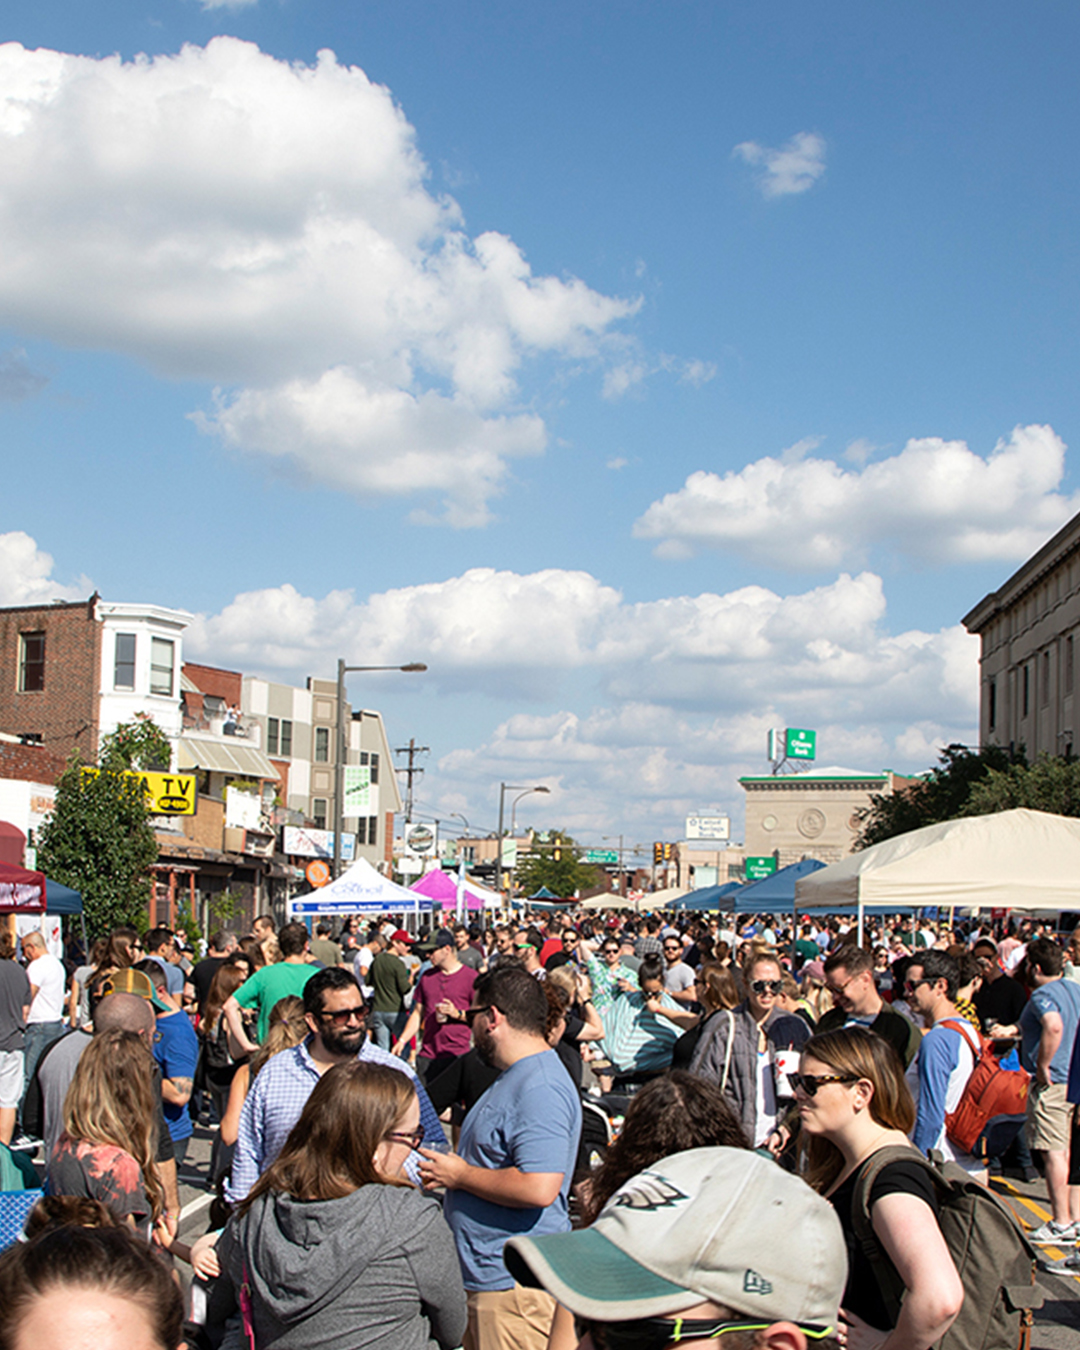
592,1277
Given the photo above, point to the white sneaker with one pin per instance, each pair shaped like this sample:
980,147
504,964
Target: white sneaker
1052,1234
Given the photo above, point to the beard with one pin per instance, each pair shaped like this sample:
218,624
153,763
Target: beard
485,1047
343,1041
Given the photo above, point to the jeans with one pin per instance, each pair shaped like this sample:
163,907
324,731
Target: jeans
39,1035
385,1027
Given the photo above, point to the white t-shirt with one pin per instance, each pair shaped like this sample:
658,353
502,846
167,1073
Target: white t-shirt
766,1097
47,973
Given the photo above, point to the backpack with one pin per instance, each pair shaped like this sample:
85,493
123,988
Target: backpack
993,1258
993,1107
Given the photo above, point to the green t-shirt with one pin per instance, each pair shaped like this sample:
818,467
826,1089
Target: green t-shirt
263,989
390,980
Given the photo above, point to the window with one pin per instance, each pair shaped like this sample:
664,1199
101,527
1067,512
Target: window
318,812
373,829
992,705
124,662
363,756
1046,679
361,830
322,745
286,736
161,666
1067,691
31,662
1025,698
374,768
273,730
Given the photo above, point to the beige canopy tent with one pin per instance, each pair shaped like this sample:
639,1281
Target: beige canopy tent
1012,860
652,900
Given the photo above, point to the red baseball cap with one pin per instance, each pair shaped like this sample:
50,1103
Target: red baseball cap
401,936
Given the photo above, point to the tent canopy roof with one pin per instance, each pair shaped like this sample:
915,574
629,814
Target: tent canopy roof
1012,859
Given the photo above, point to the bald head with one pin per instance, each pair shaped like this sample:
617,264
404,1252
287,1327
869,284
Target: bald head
33,944
124,1012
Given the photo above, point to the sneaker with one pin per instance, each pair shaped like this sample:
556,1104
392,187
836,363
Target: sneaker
1052,1234
1032,1174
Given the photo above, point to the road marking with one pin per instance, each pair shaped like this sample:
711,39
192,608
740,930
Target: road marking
194,1206
1058,1253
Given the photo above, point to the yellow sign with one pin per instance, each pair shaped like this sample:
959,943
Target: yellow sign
167,794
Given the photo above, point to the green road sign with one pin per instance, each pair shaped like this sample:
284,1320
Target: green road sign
600,855
757,869
800,744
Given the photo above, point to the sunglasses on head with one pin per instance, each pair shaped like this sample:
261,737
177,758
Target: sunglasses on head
810,1082
766,986
342,1017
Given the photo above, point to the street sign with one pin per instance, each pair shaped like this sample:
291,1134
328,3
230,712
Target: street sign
800,744
167,794
420,839
600,855
757,869
317,872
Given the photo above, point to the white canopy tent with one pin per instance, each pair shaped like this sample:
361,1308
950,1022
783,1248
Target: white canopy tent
1017,859
643,904
359,890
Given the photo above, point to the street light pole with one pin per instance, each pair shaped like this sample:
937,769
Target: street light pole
514,787
340,748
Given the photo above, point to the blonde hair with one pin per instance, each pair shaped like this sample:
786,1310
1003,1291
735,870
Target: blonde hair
286,1027
113,1099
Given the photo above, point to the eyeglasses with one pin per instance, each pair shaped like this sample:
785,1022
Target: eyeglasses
345,1015
654,1333
835,988
911,985
810,1082
766,987
471,1014
414,1138
611,951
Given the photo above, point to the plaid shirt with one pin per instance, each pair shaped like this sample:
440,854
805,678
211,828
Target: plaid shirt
276,1101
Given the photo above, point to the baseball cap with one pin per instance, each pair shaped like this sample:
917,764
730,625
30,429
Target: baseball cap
444,938
719,1225
401,936
131,981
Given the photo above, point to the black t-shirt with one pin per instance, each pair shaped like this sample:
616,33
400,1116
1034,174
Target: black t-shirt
862,1295
202,977
1001,1001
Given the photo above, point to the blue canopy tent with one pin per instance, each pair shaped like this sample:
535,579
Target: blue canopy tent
709,897
775,894
61,899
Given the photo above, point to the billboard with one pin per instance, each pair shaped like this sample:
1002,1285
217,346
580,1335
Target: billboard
302,842
800,744
360,799
167,794
708,827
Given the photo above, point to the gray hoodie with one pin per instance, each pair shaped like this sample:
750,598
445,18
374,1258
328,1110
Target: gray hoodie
376,1270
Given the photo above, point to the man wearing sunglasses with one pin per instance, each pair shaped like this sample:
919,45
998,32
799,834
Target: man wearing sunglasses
607,974
336,1014
849,978
744,1067
710,1248
515,1161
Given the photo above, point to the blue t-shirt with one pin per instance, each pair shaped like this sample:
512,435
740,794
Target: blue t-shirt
177,1052
174,976
530,1118
1060,996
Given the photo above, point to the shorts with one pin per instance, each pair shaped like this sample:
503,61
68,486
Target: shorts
1049,1118
11,1078
509,1319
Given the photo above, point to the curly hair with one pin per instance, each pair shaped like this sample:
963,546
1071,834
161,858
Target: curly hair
669,1115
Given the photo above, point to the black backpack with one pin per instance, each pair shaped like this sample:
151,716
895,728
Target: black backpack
993,1258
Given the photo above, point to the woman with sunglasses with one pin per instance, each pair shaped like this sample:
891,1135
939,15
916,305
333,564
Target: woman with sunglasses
333,1247
853,1100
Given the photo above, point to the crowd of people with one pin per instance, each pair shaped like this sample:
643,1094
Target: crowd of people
566,1130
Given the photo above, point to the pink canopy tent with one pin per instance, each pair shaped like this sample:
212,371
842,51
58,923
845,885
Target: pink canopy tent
441,887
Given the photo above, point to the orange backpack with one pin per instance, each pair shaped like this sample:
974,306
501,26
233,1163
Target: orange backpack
992,1110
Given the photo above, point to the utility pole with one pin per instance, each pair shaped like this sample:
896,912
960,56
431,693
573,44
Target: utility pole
411,771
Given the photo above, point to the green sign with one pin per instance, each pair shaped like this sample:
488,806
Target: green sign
600,855
757,869
800,744
359,798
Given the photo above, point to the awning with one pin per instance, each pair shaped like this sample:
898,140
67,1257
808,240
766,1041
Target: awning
232,757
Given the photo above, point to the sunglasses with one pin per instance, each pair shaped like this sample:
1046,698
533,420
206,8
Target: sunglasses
766,986
654,1333
471,1014
911,985
414,1138
344,1016
810,1082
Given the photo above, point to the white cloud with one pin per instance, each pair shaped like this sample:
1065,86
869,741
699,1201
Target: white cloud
617,462
268,227
793,168
937,502
26,574
628,374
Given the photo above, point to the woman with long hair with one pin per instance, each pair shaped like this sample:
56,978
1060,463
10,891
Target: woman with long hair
122,949
853,1100
333,1247
286,1027
717,992
106,1151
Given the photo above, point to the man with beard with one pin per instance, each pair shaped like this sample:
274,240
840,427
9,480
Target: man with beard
336,1014
512,1173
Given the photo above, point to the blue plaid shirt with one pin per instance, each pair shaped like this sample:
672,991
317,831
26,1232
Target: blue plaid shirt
276,1101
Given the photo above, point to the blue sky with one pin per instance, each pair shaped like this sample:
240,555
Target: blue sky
658,373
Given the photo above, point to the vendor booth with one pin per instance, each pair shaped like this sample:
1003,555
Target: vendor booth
359,890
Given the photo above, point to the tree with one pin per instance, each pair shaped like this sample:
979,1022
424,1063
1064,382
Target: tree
943,794
1050,784
98,839
553,861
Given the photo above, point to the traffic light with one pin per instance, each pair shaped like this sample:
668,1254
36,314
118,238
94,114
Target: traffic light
669,852
557,852
658,853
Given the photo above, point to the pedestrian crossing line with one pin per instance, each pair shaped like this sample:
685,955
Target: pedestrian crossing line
1057,1253
193,1206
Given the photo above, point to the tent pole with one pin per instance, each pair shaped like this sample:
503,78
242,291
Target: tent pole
859,931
